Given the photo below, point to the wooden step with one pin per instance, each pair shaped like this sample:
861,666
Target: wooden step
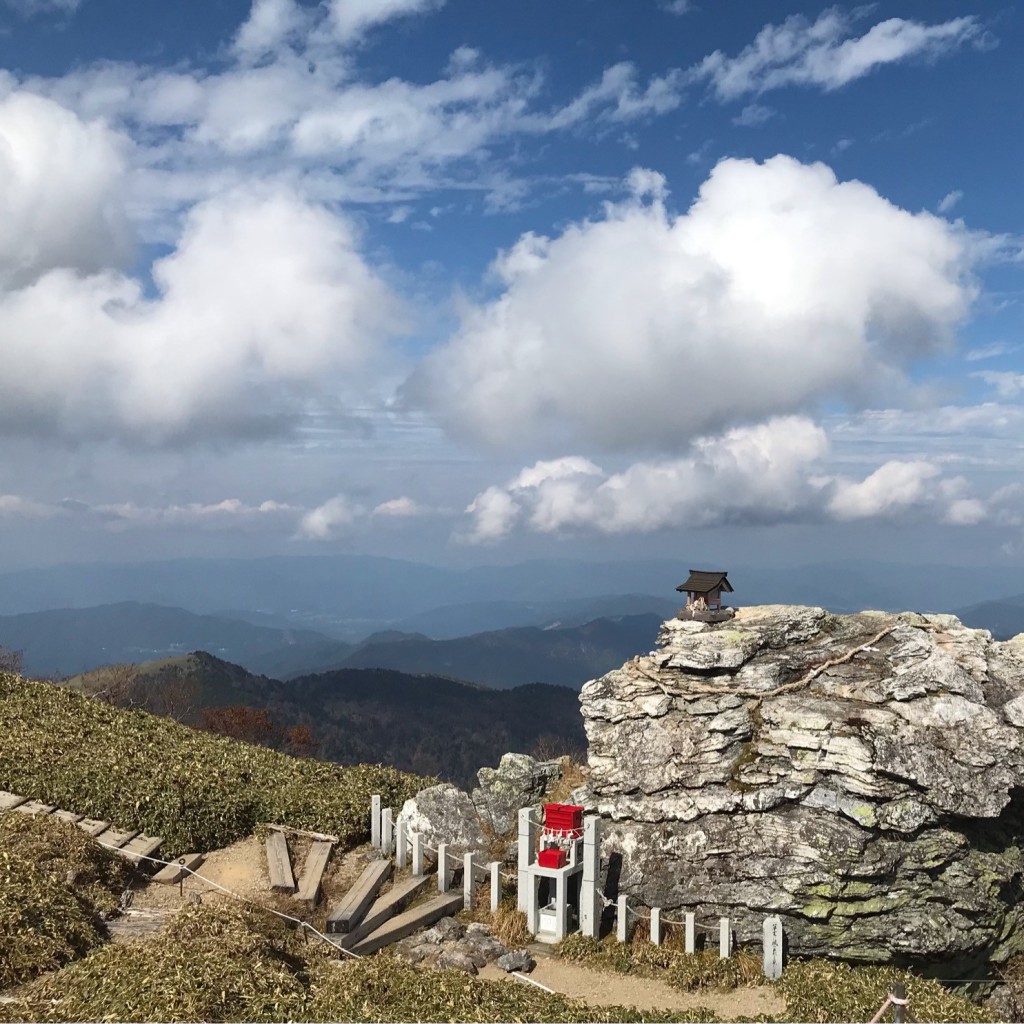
8,801
279,863
385,908
313,871
35,807
69,816
141,846
93,826
115,837
350,911
420,916
181,868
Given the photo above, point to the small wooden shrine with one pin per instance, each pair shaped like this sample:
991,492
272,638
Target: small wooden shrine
704,589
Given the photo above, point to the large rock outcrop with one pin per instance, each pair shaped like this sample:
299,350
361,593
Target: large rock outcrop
860,775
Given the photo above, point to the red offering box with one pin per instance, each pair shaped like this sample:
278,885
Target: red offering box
551,858
563,817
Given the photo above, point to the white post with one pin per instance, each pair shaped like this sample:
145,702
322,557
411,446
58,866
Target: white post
656,925
622,920
417,855
724,938
442,867
527,841
467,881
375,821
690,922
495,884
387,832
401,852
590,904
773,948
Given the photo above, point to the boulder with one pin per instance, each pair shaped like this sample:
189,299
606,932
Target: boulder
444,814
518,781
517,960
452,959
861,775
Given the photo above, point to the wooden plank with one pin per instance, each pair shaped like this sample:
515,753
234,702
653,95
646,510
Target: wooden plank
173,873
8,801
384,909
116,837
93,826
350,911
69,816
35,807
141,846
313,871
279,864
412,920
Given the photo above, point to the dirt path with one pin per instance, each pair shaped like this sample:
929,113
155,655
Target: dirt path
602,988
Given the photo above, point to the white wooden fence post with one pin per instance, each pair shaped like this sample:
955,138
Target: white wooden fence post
690,924
417,855
622,920
527,841
495,884
442,867
773,948
656,925
724,938
401,850
375,821
467,881
387,832
590,903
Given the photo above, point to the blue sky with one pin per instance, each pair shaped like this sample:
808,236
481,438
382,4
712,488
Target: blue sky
467,282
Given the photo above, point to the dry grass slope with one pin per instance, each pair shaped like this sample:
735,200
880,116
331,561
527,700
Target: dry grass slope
197,791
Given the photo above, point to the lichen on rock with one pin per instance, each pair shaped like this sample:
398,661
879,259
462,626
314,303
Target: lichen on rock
861,775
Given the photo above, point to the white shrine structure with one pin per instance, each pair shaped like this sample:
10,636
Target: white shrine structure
558,888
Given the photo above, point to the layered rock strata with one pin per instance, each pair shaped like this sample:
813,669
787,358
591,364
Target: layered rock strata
859,775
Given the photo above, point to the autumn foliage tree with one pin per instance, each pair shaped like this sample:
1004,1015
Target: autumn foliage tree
250,725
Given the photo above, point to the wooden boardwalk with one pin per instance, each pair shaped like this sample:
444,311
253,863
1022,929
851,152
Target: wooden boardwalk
133,845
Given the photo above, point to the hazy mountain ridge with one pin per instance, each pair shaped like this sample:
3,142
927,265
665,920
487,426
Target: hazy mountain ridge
444,726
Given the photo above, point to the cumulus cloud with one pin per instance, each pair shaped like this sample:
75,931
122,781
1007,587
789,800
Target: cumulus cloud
230,512
760,475
61,183
824,53
753,115
263,297
330,520
17,507
780,287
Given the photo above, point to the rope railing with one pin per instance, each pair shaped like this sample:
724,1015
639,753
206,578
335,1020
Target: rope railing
242,899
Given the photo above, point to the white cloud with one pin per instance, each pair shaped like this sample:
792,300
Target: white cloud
228,513
766,474
330,520
618,97
16,506
263,298
822,53
949,200
61,182
401,508
352,18
271,23
678,7
1006,383
779,287
753,115
991,351
33,8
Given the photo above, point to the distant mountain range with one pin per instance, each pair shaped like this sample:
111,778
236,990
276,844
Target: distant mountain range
422,723
1003,618
73,640
349,597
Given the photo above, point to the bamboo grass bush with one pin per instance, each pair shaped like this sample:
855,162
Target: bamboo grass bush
195,790
55,883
